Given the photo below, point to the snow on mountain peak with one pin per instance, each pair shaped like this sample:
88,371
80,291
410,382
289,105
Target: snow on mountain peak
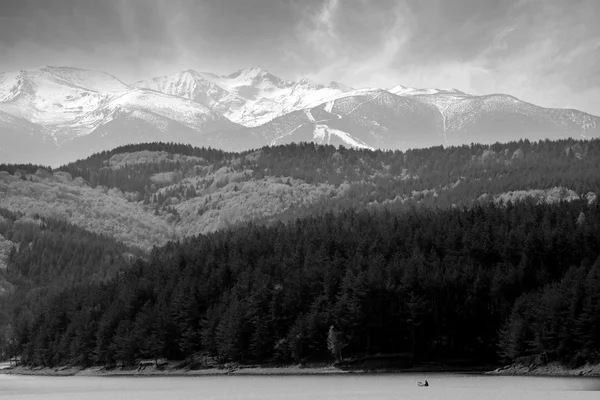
248,73
405,90
68,102
188,74
10,85
452,90
55,95
410,91
97,81
339,86
308,84
203,88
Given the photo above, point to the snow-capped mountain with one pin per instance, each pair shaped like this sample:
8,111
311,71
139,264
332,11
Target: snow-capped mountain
55,95
76,111
56,114
138,125
249,97
253,83
360,118
195,86
500,117
159,110
410,91
380,119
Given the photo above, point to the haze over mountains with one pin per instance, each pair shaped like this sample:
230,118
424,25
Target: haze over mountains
54,115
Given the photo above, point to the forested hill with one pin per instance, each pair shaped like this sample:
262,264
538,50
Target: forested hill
45,250
483,284
287,253
132,168
147,194
40,255
101,160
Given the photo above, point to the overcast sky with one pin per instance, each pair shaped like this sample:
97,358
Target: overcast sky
543,51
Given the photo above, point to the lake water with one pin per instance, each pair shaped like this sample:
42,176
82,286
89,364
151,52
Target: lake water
338,387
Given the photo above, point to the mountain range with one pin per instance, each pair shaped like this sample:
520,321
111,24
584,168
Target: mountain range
53,115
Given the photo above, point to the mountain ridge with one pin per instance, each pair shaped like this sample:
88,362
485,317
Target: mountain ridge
168,190
250,108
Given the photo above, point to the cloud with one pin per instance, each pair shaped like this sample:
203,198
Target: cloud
380,44
543,51
317,30
322,30
133,37
100,34
547,58
342,40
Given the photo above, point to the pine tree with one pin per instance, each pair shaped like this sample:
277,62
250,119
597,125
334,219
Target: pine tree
335,343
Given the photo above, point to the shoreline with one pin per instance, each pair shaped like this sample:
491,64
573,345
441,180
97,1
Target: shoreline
548,370
173,370
154,372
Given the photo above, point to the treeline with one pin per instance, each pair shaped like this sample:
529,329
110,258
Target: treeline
23,168
490,282
433,177
500,167
97,160
136,177
457,174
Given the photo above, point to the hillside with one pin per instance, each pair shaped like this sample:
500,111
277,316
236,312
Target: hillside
39,255
302,251
435,286
145,195
43,251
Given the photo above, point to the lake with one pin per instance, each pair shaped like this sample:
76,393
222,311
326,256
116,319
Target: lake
342,387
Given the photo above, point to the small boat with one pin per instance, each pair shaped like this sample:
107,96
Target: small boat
423,384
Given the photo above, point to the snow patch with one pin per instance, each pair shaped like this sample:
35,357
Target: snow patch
329,106
309,115
322,133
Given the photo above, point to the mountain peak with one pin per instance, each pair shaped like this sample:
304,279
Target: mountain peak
257,68
191,75
405,90
190,72
305,82
454,90
401,88
339,86
251,72
98,81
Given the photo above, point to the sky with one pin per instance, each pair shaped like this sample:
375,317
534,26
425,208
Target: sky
543,51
